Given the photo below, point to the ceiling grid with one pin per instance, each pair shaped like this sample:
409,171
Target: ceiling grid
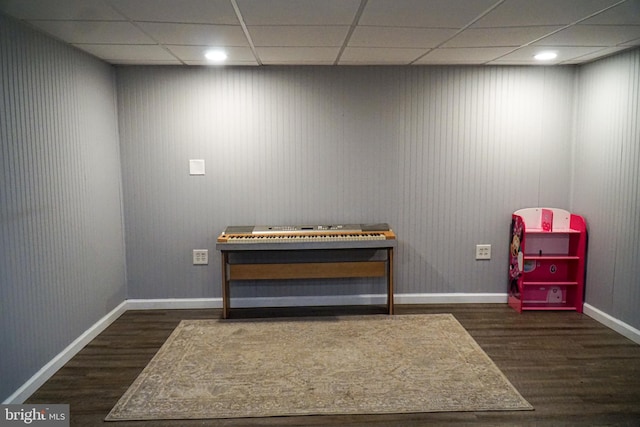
337,32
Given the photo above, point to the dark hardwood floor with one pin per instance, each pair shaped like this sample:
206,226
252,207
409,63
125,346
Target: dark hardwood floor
573,370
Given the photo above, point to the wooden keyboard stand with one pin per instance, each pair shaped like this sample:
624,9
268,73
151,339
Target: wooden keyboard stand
306,270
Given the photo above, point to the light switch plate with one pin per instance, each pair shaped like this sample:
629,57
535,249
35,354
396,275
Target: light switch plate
196,167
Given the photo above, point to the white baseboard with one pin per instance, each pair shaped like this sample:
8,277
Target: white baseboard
451,298
47,371
309,301
173,303
617,325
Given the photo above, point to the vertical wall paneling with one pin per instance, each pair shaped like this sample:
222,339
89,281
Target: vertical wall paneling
471,150
445,154
606,181
61,231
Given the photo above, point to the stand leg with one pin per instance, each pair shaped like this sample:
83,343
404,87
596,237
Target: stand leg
390,280
225,286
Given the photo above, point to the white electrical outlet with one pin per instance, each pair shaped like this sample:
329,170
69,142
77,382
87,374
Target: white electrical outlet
483,251
200,256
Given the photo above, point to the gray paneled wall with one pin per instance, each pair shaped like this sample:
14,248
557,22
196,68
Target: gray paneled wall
607,182
61,233
444,154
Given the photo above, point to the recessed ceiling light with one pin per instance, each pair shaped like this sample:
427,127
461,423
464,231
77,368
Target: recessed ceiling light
216,55
546,56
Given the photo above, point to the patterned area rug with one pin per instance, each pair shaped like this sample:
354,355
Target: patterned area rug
346,365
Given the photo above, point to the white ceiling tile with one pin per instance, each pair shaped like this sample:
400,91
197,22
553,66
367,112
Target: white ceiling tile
129,53
196,34
521,13
606,51
298,35
297,55
298,12
108,32
488,37
83,10
196,53
423,13
627,13
635,42
525,54
226,64
592,35
373,55
178,11
477,55
367,36
146,62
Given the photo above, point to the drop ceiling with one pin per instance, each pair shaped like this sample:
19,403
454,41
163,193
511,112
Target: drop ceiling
337,32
